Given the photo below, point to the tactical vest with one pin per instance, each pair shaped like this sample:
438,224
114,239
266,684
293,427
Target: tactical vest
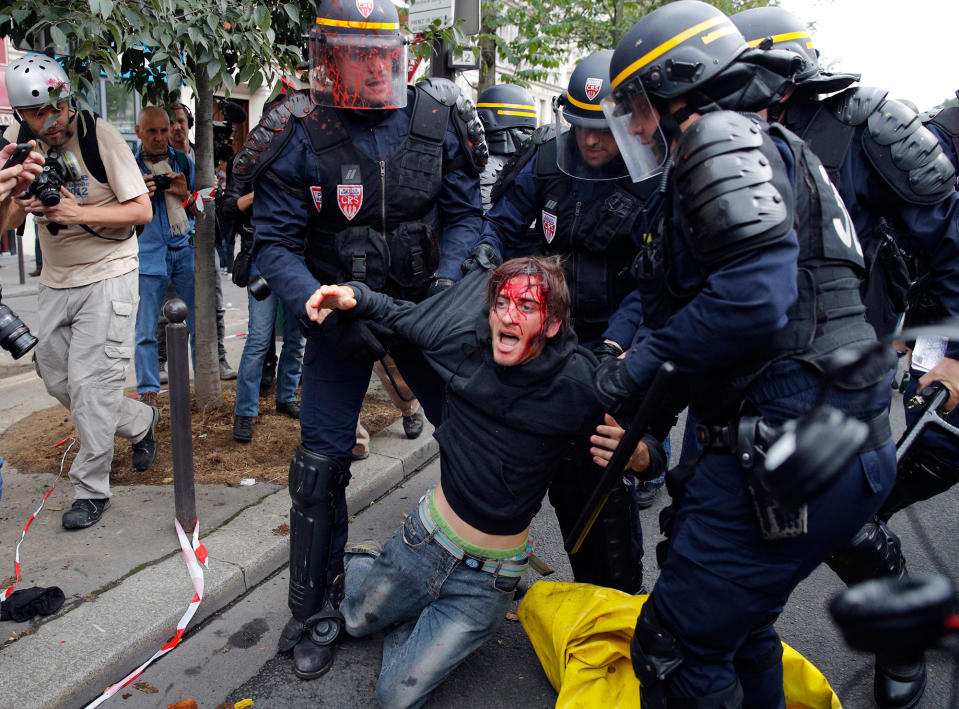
377,221
594,236
828,313
886,279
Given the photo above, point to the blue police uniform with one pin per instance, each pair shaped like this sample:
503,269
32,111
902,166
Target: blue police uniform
928,232
725,322
385,197
333,388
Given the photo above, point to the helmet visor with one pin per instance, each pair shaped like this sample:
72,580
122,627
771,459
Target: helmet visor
586,149
635,125
358,71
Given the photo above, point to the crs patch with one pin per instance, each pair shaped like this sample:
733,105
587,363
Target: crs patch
549,226
593,87
317,193
350,199
365,7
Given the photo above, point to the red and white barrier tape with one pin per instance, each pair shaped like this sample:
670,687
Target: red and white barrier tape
208,194
194,554
16,553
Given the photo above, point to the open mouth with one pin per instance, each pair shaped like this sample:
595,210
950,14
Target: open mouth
507,342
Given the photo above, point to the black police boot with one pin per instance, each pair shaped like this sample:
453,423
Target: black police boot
313,654
898,685
84,513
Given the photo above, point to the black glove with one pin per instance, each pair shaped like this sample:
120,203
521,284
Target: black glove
615,389
484,256
355,338
30,602
438,285
607,350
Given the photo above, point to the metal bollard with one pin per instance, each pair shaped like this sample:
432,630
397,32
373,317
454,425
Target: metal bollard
181,428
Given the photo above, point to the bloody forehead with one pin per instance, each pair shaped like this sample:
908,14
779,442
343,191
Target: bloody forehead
520,288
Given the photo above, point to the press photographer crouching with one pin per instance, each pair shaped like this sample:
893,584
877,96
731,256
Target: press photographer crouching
86,202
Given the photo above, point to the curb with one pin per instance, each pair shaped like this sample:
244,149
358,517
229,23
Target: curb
93,646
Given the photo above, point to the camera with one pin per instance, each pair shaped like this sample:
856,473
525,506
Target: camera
162,182
58,170
15,336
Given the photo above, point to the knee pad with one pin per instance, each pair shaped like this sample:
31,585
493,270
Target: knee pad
874,552
316,484
921,475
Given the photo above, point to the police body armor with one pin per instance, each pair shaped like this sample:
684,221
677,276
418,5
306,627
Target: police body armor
594,236
373,221
908,158
828,312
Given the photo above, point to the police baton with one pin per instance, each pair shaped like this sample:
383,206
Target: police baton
652,402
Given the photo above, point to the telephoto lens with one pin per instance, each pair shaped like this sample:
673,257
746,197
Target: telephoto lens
259,288
15,336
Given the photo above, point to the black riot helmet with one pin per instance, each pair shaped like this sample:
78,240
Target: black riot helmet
685,49
775,28
580,123
357,55
508,113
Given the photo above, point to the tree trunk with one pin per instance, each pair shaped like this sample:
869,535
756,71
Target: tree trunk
207,374
487,72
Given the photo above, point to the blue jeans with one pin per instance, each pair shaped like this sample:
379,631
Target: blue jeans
423,598
722,584
179,266
259,340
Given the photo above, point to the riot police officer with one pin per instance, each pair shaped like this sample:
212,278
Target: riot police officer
508,114
760,269
889,171
572,182
366,179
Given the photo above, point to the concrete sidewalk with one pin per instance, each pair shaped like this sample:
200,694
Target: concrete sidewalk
125,582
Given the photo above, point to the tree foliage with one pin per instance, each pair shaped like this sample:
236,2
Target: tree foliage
534,36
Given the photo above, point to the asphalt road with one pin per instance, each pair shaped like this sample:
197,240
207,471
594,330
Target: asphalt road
233,656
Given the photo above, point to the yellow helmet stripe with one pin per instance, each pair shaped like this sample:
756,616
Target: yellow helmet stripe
358,25
785,37
666,46
584,106
515,113
506,105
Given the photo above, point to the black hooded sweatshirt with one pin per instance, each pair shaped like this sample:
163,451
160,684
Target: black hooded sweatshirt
504,428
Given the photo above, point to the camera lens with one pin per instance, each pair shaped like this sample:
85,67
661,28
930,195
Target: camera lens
15,336
259,288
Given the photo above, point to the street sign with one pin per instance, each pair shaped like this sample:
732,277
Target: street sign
469,12
424,12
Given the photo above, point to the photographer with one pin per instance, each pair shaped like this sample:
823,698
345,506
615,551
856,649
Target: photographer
87,200
166,243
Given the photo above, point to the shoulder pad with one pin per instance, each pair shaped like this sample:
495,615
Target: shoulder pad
945,118
907,154
725,188
544,133
853,106
469,128
269,137
519,159
443,90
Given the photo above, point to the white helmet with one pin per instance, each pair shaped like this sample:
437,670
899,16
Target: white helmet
33,78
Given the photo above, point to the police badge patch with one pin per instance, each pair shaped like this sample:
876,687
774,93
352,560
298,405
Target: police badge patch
593,87
317,193
549,226
350,199
365,7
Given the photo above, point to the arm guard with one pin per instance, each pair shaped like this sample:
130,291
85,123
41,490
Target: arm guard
469,128
725,185
907,155
265,143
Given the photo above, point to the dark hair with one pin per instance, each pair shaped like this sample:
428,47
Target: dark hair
174,107
548,272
